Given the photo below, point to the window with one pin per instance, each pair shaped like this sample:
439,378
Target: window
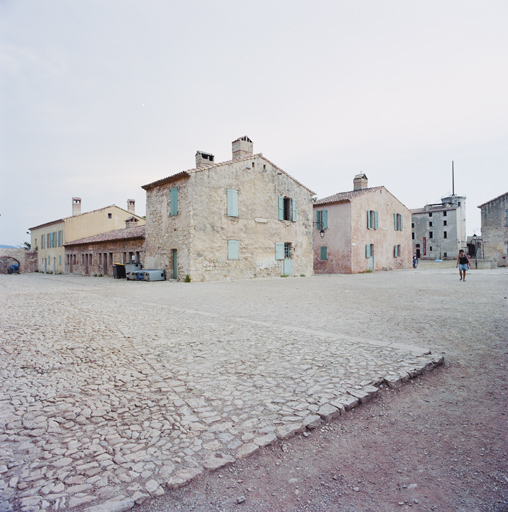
100,258
138,257
233,251
42,242
430,248
397,221
445,254
287,208
430,224
396,251
430,214
372,219
431,234
287,250
232,203
413,235
369,250
445,223
59,260
324,253
124,257
444,214
173,202
458,203
54,239
445,234
110,215
321,219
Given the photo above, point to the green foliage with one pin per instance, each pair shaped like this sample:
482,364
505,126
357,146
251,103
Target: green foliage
187,278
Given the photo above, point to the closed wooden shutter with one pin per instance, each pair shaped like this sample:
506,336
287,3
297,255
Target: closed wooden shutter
232,200
173,201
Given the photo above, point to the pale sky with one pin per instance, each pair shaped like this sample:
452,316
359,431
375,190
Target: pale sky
98,98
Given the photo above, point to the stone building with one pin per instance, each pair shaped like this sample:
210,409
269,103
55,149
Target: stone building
439,229
360,230
96,255
49,239
242,218
495,229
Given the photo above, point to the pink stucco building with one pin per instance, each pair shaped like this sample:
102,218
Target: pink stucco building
364,229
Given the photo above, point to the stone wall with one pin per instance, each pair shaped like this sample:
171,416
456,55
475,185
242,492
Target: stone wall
495,230
118,251
201,230
27,260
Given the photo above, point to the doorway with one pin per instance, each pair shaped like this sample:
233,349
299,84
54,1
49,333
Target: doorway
287,269
175,264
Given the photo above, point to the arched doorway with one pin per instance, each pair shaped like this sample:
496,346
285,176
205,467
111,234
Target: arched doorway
6,262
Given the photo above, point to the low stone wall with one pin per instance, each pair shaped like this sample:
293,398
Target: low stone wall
27,260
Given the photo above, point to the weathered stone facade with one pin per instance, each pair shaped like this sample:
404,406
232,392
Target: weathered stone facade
226,220
364,229
495,229
27,260
97,254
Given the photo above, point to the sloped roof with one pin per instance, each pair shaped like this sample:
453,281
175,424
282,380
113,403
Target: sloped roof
207,167
111,236
347,196
84,213
495,199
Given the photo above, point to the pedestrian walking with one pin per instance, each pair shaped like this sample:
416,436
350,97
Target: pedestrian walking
415,261
463,265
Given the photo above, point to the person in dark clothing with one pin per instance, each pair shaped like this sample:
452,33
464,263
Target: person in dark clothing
462,264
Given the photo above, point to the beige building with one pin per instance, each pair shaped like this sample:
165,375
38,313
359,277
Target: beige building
49,238
495,229
242,218
360,230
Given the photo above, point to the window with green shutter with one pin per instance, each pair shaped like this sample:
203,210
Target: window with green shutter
372,219
321,219
233,250
232,203
324,253
287,208
367,251
173,208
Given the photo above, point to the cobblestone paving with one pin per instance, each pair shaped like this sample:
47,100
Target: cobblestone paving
108,398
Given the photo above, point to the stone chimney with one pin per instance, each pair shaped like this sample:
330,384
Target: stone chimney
360,182
203,159
76,206
131,223
131,205
242,147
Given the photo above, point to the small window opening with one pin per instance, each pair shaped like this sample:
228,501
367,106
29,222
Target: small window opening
110,215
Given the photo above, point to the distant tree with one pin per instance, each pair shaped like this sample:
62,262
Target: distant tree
26,245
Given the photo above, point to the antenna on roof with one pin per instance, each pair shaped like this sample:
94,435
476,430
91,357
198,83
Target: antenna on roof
453,180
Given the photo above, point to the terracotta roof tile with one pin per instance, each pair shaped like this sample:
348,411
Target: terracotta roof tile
346,196
111,236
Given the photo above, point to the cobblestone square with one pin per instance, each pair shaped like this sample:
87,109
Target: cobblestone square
114,391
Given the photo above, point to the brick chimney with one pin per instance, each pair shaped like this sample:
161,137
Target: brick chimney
203,159
242,147
131,205
360,182
76,206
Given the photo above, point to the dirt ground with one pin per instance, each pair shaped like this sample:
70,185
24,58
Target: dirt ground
438,443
